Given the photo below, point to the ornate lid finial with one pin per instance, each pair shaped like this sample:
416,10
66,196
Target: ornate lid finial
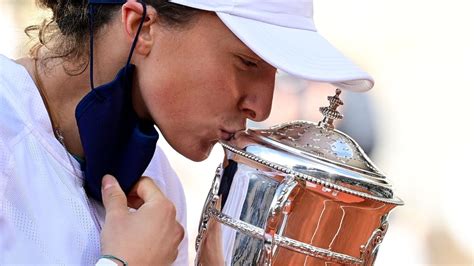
330,113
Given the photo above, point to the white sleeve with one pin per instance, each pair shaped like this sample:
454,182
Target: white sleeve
4,166
6,235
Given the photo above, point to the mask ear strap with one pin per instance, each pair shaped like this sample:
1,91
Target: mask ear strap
90,13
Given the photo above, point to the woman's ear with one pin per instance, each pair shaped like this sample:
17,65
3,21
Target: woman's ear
132,13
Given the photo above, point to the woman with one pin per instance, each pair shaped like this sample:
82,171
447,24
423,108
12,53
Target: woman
196,69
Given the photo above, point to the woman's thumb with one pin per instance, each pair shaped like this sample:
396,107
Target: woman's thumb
112,194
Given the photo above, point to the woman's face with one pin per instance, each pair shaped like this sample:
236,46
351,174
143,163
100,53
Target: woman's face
200,84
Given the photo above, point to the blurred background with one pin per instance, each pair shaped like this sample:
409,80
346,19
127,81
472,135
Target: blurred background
416,123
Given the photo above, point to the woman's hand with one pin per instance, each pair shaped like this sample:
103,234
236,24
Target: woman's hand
148,236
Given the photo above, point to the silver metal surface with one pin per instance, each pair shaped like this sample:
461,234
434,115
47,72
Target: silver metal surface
323,174
299,193
317,151
276,216
330,112
258,233
255,209
210,202
247,247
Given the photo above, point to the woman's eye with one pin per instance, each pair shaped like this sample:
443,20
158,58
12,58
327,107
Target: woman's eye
247,62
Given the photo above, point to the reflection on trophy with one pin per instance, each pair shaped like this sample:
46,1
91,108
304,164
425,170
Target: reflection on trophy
299,193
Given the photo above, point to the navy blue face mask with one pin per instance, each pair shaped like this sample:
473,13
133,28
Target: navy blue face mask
115,140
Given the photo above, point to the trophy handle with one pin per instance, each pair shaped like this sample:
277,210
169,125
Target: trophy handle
370,250
209,205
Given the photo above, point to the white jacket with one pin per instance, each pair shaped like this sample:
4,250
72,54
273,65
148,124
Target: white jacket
45,215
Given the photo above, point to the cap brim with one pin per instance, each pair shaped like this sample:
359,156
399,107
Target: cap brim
302,53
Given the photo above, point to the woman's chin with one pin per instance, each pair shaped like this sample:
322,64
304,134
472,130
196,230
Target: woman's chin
197,153
197,157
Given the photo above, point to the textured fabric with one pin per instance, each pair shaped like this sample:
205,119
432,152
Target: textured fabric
45,215
114,139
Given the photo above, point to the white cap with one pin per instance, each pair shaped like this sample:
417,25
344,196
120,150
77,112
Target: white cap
282,33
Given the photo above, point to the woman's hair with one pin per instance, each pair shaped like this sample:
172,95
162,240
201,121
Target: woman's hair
66,33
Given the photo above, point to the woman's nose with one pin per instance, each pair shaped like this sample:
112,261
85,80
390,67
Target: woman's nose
257,103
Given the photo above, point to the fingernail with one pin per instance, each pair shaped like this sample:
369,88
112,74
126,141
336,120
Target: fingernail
108,181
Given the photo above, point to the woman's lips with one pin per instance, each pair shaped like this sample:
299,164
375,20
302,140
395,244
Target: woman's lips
225,135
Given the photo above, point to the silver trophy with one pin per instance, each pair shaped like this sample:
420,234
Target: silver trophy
299,193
